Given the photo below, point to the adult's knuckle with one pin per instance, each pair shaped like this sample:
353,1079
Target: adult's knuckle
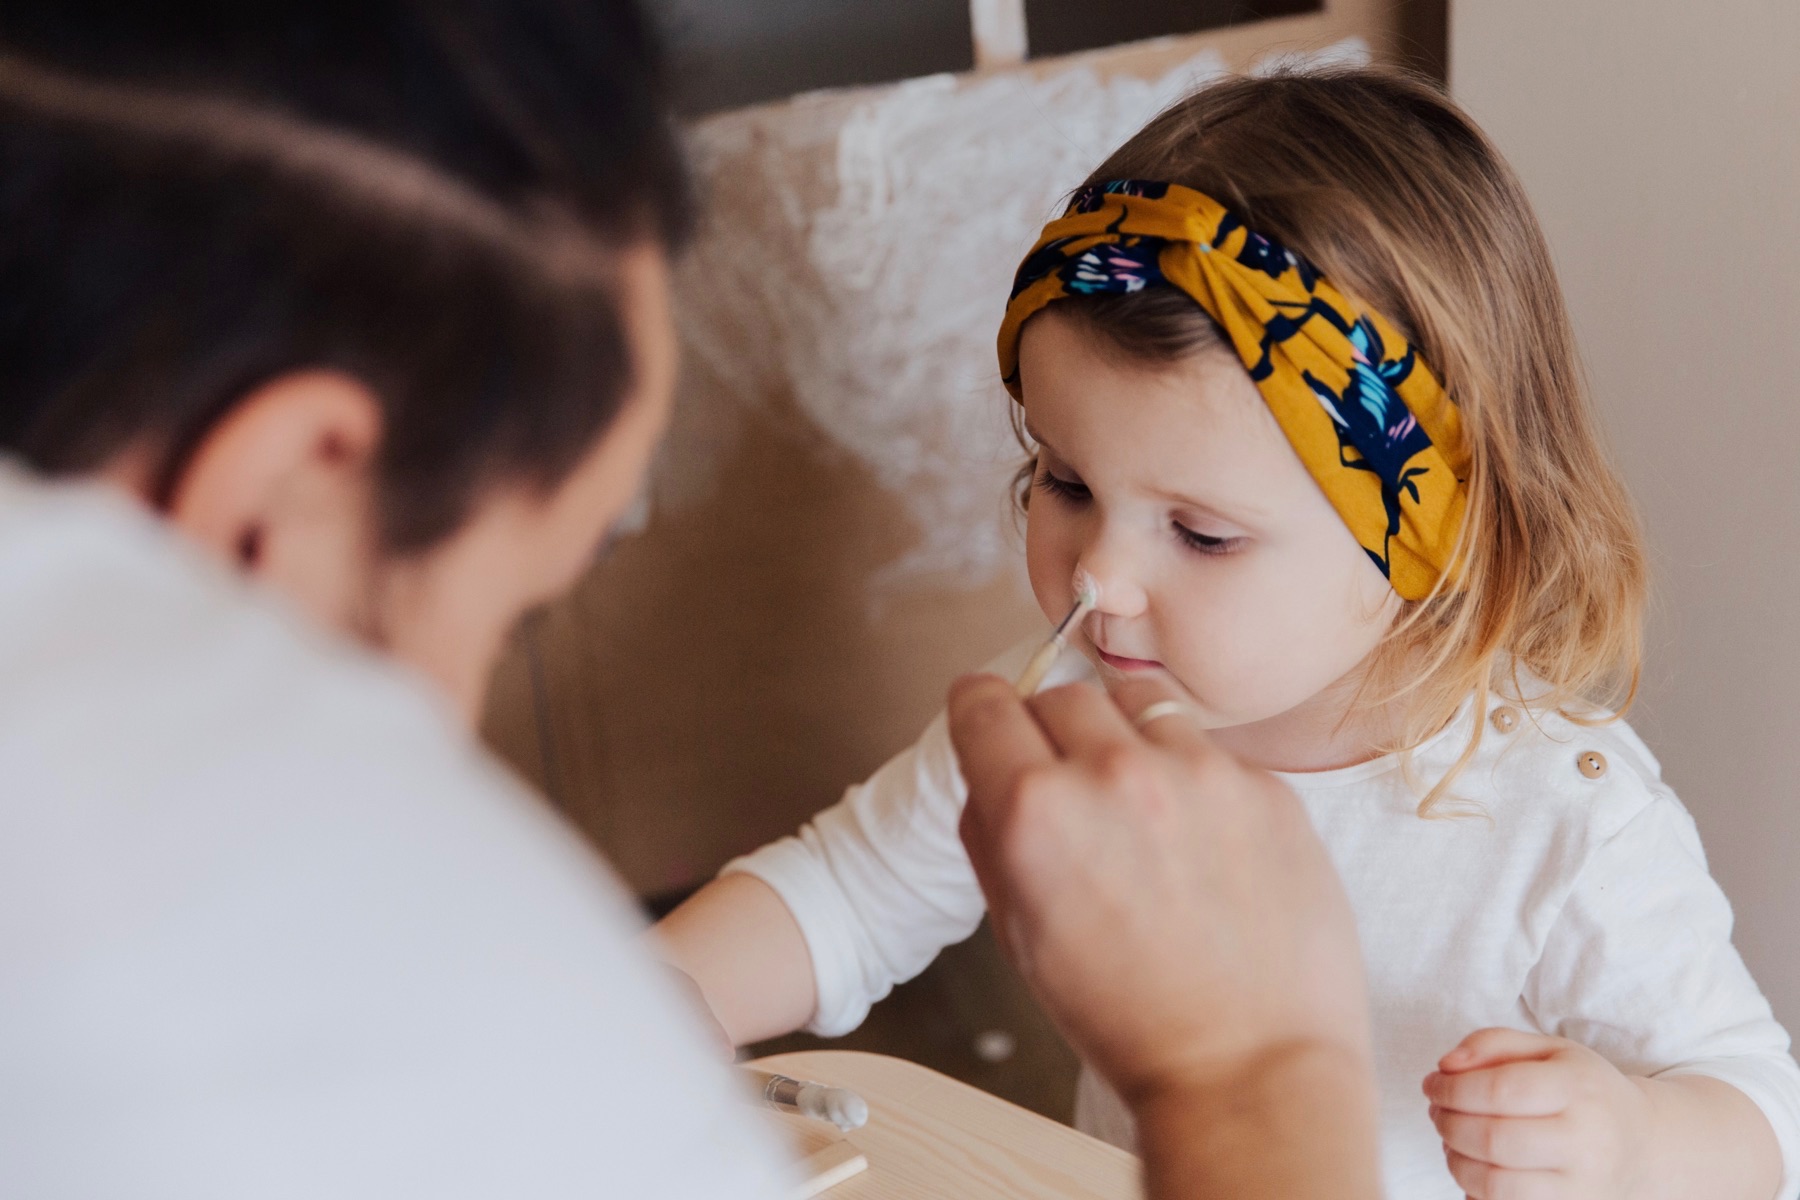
1126,769
975,714
1205,765
985,708
1034,793
1198,765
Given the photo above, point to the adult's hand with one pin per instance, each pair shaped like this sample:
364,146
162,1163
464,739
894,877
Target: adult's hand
1180,921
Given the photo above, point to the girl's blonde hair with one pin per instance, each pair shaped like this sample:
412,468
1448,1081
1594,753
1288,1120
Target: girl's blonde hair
1401,202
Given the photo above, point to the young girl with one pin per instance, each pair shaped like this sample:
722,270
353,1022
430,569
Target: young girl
1303,400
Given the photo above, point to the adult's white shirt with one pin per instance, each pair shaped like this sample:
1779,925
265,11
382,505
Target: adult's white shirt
272,925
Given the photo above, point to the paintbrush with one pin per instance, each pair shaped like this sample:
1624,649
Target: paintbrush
1087,595
822,1102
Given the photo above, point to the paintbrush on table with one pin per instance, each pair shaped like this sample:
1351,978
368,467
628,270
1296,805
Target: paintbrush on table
822,1102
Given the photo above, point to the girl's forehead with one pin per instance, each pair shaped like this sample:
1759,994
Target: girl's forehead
1195,427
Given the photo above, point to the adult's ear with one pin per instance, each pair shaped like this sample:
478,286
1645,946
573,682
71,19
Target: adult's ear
283,489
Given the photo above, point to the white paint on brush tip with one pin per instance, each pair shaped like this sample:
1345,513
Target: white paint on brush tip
841,1106
1087,589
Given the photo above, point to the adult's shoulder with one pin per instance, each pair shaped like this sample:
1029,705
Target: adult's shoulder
130,663
272,923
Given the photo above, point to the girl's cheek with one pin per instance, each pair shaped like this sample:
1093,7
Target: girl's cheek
1229,644
1050,558
1193,631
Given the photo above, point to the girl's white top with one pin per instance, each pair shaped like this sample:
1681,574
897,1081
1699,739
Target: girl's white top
1580,906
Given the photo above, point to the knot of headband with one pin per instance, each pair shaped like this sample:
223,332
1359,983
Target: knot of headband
1366,415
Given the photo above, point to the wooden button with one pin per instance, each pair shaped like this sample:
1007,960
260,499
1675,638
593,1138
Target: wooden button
1505,718
1592,764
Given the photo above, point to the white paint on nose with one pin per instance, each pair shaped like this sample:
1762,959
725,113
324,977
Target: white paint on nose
1087,589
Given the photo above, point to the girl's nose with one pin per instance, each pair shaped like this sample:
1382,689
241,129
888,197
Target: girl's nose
1121,592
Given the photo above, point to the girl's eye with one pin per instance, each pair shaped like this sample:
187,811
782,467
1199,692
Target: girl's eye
1204,543
1065,489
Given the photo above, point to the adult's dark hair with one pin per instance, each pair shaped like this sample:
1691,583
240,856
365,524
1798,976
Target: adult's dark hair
198,197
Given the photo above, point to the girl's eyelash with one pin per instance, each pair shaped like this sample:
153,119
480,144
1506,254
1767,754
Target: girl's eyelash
1066,489
1076,493
1201,543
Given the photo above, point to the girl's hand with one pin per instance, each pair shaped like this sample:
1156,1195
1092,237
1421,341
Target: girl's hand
1525,1116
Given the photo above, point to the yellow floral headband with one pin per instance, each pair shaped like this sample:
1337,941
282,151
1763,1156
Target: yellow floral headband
1357,402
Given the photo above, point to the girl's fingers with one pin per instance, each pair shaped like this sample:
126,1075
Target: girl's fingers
1534,1088
1483,1181
1521,1143
1486,1047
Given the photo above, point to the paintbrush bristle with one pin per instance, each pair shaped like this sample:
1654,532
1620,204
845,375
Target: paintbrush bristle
1087,590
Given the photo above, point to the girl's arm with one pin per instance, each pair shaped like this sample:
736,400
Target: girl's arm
737,941
811,930
1677,1070
1713,1141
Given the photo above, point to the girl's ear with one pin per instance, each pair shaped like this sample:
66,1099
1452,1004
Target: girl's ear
283,489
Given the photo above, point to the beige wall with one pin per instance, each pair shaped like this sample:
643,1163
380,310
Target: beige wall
1660,140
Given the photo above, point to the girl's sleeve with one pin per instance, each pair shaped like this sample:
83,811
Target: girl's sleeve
1640,966
879,882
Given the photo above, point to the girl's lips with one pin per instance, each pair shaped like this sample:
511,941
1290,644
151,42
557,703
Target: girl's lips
1118,663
